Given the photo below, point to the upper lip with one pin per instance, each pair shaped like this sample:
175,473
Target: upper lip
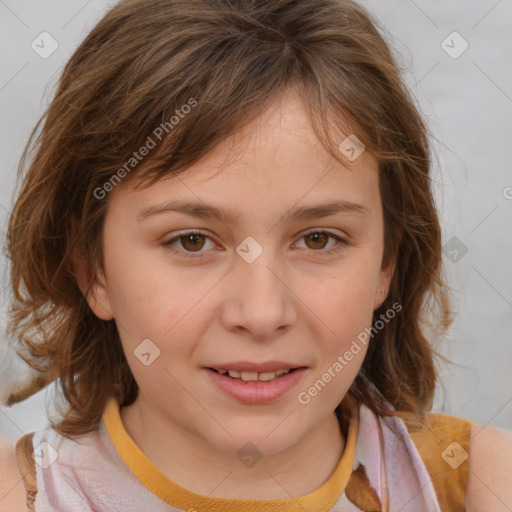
246,366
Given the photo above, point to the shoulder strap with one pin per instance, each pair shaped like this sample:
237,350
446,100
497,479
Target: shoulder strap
26,464
444,448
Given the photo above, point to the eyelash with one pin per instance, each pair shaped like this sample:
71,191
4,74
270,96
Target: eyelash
187,254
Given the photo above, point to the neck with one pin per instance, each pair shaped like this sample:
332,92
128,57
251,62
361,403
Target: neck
191,462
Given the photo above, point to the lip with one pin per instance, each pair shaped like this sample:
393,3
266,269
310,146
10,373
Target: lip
256,392
247,366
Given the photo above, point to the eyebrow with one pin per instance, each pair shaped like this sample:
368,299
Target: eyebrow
208,211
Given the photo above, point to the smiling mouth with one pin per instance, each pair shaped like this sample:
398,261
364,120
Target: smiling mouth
246,376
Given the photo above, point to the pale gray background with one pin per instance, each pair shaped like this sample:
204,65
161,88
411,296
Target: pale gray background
468,104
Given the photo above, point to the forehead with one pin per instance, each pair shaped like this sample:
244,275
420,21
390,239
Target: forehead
275,160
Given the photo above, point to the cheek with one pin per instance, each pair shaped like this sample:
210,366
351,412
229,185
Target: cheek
146,299
346,298
153,300
344,304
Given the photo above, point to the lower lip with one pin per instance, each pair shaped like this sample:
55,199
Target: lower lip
256,392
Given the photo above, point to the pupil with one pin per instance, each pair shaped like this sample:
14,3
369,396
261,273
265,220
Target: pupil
315,237
193,239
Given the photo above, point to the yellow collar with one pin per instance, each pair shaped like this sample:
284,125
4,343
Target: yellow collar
321,500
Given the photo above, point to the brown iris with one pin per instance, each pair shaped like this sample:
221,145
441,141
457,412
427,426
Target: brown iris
190,242
316,238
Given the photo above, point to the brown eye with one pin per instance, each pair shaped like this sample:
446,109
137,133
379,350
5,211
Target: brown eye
192,242
318,240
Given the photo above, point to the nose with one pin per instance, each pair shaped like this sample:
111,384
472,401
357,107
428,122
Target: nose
259,300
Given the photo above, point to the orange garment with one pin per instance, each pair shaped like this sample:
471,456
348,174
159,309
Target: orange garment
352,485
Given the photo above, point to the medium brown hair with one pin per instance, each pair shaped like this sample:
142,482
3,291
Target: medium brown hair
143,61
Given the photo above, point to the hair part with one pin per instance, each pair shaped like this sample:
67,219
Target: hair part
140,65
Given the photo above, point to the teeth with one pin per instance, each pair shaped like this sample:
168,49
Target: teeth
248,375
267,376
253,376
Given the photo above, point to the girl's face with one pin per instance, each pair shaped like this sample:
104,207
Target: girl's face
270,280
